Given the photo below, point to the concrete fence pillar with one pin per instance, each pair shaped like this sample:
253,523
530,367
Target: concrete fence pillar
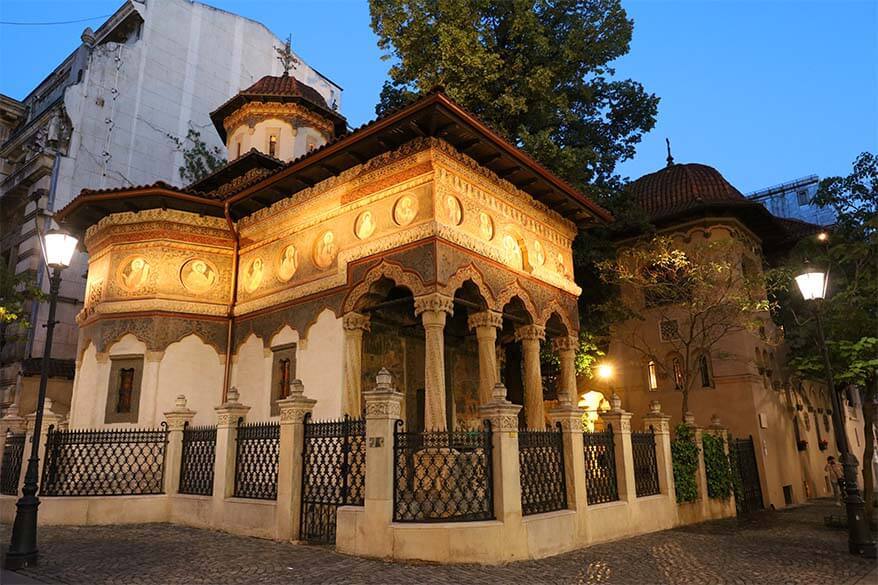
227,416
660,424
293,411
570,419
10,423
177,420
50,419
505,469
621,423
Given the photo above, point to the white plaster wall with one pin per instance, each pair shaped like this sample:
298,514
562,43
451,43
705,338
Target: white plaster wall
85,390
252,377
319,365
194,369
292,142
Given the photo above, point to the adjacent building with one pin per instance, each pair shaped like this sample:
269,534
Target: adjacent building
795,200
118,112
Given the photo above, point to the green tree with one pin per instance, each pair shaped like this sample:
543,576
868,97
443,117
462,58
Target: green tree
539,72
850,310
16,292
199,159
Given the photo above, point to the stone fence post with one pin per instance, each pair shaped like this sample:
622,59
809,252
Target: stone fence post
227,415
50,419
10,423
506,469
293,410
570,418
621,423
659,423
383,409
177,420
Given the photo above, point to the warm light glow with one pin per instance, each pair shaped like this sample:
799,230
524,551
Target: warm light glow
604,371
593,403
822,237
653,375
812,284
59,248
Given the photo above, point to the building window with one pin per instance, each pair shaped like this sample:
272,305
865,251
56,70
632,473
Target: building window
239,149
283,372
826,423
123,393
668,330
704,371
803,198
677,366
652,375
272,145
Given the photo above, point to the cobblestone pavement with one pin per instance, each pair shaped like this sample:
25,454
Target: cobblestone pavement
786,547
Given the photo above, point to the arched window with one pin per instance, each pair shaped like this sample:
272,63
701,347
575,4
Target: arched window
652,375
704,371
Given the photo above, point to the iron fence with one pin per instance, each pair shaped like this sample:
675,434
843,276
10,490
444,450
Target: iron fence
256,458
117,462
197,459
600,466
541,464
334,474
442,476
646,482
13,456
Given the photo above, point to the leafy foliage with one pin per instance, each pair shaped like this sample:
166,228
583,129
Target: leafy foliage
16,291
199,159
684,457
716,467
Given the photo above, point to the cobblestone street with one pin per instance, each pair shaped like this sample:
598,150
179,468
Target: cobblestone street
787,547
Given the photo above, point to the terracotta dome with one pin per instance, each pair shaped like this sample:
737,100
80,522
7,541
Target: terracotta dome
679,187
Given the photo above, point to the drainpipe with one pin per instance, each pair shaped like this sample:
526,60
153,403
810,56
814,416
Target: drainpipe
230,332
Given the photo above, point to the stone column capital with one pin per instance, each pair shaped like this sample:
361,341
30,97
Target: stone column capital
12,421
568,416
296,406
354,321
180,415
383,401
228,413
502,413
565,343
434,303
485,319
620,420
529,332
655,418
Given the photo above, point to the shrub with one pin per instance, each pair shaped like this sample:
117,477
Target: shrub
684,456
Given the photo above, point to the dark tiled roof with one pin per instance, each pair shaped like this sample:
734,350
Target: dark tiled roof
285,85
211,185
797,229
679,187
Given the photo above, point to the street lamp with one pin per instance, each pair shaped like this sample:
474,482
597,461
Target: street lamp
812,284
605,371
59,247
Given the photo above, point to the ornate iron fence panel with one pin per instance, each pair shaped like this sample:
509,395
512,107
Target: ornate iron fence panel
442,476
104,463
748,492
600,466
10,468
256,458
541,461
333,474
646,481
196,462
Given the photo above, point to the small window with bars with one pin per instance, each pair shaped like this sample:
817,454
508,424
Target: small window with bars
668,330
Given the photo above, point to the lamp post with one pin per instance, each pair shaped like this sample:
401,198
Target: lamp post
59,247
812,283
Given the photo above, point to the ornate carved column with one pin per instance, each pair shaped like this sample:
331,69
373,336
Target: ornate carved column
566,348
293,409
534,410
433,310
486,325
227,415
177,420
354,326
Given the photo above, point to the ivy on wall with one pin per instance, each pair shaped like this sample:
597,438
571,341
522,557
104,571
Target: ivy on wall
716,467
684,456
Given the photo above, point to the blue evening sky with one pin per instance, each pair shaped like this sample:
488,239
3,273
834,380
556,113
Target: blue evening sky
764,91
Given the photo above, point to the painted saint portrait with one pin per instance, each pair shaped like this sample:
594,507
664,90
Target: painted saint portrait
453,210
559,264
288,264
405,210
325,250
539,255
198,275
134,274
486,225
513,252
365,225
253,275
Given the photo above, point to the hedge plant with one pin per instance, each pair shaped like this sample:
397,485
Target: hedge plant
684,456
716,467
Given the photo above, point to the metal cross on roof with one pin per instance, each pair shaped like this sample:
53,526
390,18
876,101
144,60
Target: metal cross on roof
285,55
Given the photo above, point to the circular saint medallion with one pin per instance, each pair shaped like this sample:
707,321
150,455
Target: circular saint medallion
561,266
405,210
453,210
133,273
513,252
288,263
365,225
325,250
253,275
539,255
486,225
198,275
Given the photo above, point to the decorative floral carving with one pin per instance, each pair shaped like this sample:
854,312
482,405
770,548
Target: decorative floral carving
516,290
469,272
352,321
254,112
385,269
530,332
435,302
485,319
389,408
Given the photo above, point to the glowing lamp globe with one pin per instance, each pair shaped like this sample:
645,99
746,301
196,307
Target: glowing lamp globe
605,371
812,284
60,247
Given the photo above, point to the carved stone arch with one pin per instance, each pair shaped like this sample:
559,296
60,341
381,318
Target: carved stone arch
469,272
86,342
385,269
180,337
516,290
554,307
244,340
315,316
116,334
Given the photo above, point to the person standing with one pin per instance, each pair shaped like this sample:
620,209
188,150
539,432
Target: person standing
836,476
